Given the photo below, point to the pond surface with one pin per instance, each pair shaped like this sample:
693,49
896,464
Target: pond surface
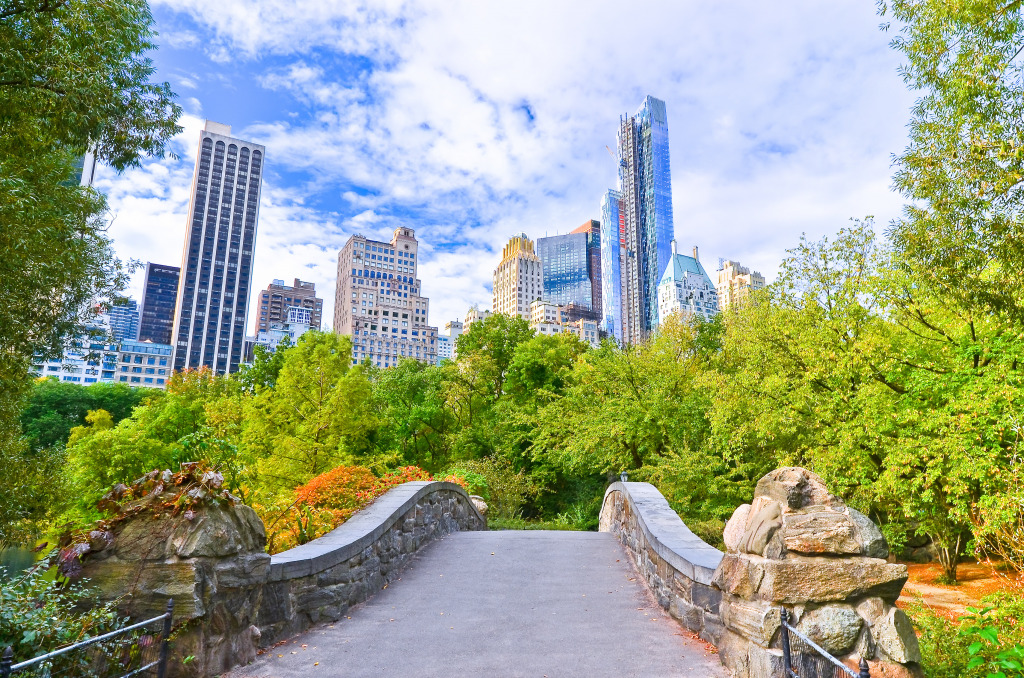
14,560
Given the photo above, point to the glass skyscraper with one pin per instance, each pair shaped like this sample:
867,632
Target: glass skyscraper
158,301
213,294
566,271
612,239
124,321
645,185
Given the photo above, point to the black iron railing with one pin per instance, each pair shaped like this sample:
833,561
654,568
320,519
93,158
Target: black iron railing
836,666
118,652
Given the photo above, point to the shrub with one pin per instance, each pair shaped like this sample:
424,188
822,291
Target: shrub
988,642
328,500
38,615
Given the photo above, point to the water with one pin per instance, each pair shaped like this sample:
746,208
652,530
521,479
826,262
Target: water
14,560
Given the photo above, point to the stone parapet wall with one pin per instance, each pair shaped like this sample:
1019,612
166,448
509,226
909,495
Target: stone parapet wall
231,597
796,546
320,580
679,566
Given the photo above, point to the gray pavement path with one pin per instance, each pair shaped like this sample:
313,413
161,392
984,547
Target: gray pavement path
501,604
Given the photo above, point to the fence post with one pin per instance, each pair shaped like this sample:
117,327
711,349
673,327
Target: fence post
5,662
864,672
161,668
787,662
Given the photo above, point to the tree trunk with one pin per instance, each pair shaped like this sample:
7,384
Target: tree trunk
949,557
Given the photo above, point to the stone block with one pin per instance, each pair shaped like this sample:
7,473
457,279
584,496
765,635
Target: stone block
755,620
713,629
801,579
821,530
690,616
795,488
894,635
765,663
761,527
145,587
834,627
706,597
739,575
872,541
735,528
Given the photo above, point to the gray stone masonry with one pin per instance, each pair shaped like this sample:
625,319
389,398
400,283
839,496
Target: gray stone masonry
320,580
795,546
231,598
678,565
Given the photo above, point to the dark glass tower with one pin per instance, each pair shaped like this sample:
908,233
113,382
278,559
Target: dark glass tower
645,184
216,264
565,262
158,302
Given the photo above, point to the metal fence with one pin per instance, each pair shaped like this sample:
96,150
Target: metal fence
130,651
824,665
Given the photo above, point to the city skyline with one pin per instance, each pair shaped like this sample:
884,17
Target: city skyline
767,143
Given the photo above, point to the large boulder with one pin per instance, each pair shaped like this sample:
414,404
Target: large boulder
799,547
180,536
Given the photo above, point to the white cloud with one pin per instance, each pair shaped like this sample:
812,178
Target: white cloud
484,119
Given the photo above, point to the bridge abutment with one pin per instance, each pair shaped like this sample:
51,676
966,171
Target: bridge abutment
795,547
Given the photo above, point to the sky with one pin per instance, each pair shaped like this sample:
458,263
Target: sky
471,121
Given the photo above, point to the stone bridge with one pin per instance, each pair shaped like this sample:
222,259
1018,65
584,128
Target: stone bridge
416,586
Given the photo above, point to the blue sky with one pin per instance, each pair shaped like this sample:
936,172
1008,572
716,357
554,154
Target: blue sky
470,121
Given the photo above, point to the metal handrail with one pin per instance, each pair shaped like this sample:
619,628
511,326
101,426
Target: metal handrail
787,660
7,668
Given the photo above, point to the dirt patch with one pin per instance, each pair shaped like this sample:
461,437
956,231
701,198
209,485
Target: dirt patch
976,581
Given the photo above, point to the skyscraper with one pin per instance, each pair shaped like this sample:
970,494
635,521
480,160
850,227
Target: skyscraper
278,298
592,229
566,274
159,298
379,303
124,321
217,261
645,185
519,278
613,234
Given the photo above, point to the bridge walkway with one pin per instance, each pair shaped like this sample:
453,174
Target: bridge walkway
501,604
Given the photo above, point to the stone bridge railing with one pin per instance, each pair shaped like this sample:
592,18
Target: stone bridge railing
795,546
233,598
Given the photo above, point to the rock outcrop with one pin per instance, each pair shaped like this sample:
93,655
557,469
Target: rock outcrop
181,536
797,546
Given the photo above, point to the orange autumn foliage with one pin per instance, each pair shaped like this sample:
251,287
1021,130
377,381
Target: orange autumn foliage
328,500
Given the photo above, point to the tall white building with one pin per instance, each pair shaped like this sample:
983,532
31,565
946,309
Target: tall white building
446,342
686,288
216,264
519,278
734,283
89,358
379,302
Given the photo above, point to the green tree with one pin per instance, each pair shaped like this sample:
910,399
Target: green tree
265,367
415,420
73,75
55,407
316,413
